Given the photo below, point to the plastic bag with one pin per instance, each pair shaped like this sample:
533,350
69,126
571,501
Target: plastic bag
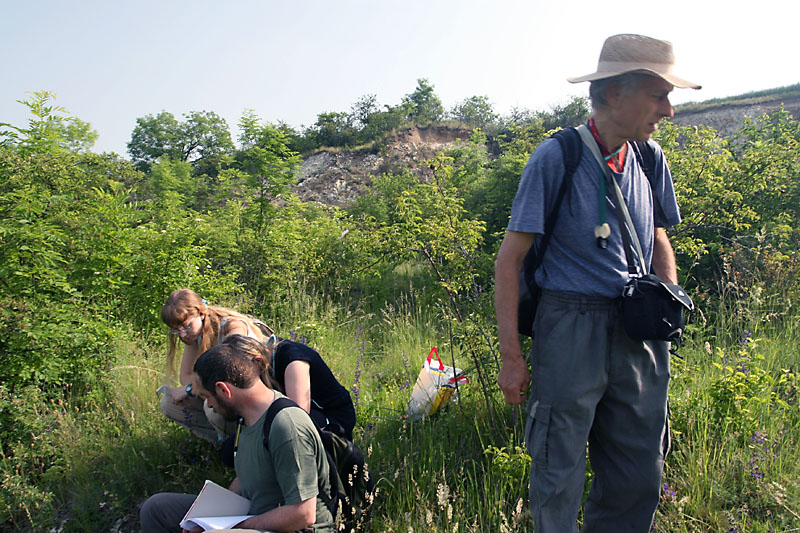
435,386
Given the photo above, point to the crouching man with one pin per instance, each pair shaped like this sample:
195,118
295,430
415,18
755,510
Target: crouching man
282,482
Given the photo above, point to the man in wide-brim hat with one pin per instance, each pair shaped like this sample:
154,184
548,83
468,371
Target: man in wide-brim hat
588,380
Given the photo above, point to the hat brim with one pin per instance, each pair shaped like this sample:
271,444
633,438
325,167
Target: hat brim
671,78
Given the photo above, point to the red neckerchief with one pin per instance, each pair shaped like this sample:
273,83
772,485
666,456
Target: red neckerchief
617,161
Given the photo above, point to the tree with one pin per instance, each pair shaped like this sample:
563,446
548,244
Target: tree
76,135
266,161
47,130
62,217
739,201
423,106
154,137
207,140
492,198
170,178
296,140
475,111
332,129
203,137
520,116
382,123
362,111
573,113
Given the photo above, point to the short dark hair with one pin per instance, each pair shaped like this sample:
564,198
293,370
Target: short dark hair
225,363
627,82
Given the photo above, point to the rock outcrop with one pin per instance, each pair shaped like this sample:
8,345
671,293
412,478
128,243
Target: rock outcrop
727,118
338,177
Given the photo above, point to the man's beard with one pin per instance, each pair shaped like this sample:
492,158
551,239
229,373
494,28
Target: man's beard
226,411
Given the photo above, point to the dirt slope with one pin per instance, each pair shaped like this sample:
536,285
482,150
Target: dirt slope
336,178
727,118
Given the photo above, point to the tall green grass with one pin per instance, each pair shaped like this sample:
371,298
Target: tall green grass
87,463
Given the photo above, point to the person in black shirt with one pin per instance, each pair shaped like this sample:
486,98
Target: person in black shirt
300,372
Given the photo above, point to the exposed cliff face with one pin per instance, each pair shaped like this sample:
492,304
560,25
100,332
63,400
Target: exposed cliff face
337,178
727,118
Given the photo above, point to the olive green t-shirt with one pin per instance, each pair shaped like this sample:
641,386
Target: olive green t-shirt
289,472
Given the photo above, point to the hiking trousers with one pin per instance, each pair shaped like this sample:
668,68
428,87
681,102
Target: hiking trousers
592,383
195,415
162,513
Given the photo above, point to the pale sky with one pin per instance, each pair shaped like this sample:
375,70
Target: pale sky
110,62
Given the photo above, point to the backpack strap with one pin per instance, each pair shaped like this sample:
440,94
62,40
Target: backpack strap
571,150
275,407
331,500
265,329
646,157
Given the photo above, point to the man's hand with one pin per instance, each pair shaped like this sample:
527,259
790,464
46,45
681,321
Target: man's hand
514,379
291,517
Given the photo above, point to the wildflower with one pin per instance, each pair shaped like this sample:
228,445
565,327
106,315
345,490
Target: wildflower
442,495
187,417
357,375
744,338
407,366
760,446
293,335
406,362
743,365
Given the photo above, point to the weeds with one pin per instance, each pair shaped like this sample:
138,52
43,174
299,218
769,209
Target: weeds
86,465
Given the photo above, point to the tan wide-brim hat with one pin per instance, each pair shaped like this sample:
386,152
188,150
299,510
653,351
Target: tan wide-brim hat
629,52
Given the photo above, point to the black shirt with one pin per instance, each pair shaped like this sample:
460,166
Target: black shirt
327,395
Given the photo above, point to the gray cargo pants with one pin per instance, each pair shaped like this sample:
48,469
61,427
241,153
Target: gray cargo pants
591,382
162,513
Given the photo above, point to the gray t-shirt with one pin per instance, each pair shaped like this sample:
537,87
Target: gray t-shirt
573,262
289,471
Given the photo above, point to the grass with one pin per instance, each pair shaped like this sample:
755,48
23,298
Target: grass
86,464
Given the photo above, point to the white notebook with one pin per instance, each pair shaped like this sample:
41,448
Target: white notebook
216,508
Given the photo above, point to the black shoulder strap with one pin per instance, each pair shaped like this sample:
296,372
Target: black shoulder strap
330,500
275,408
646,156
572,150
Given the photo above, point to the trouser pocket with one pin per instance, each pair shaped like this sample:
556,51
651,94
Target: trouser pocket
537,429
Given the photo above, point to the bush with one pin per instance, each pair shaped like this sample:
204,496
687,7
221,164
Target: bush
53,344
